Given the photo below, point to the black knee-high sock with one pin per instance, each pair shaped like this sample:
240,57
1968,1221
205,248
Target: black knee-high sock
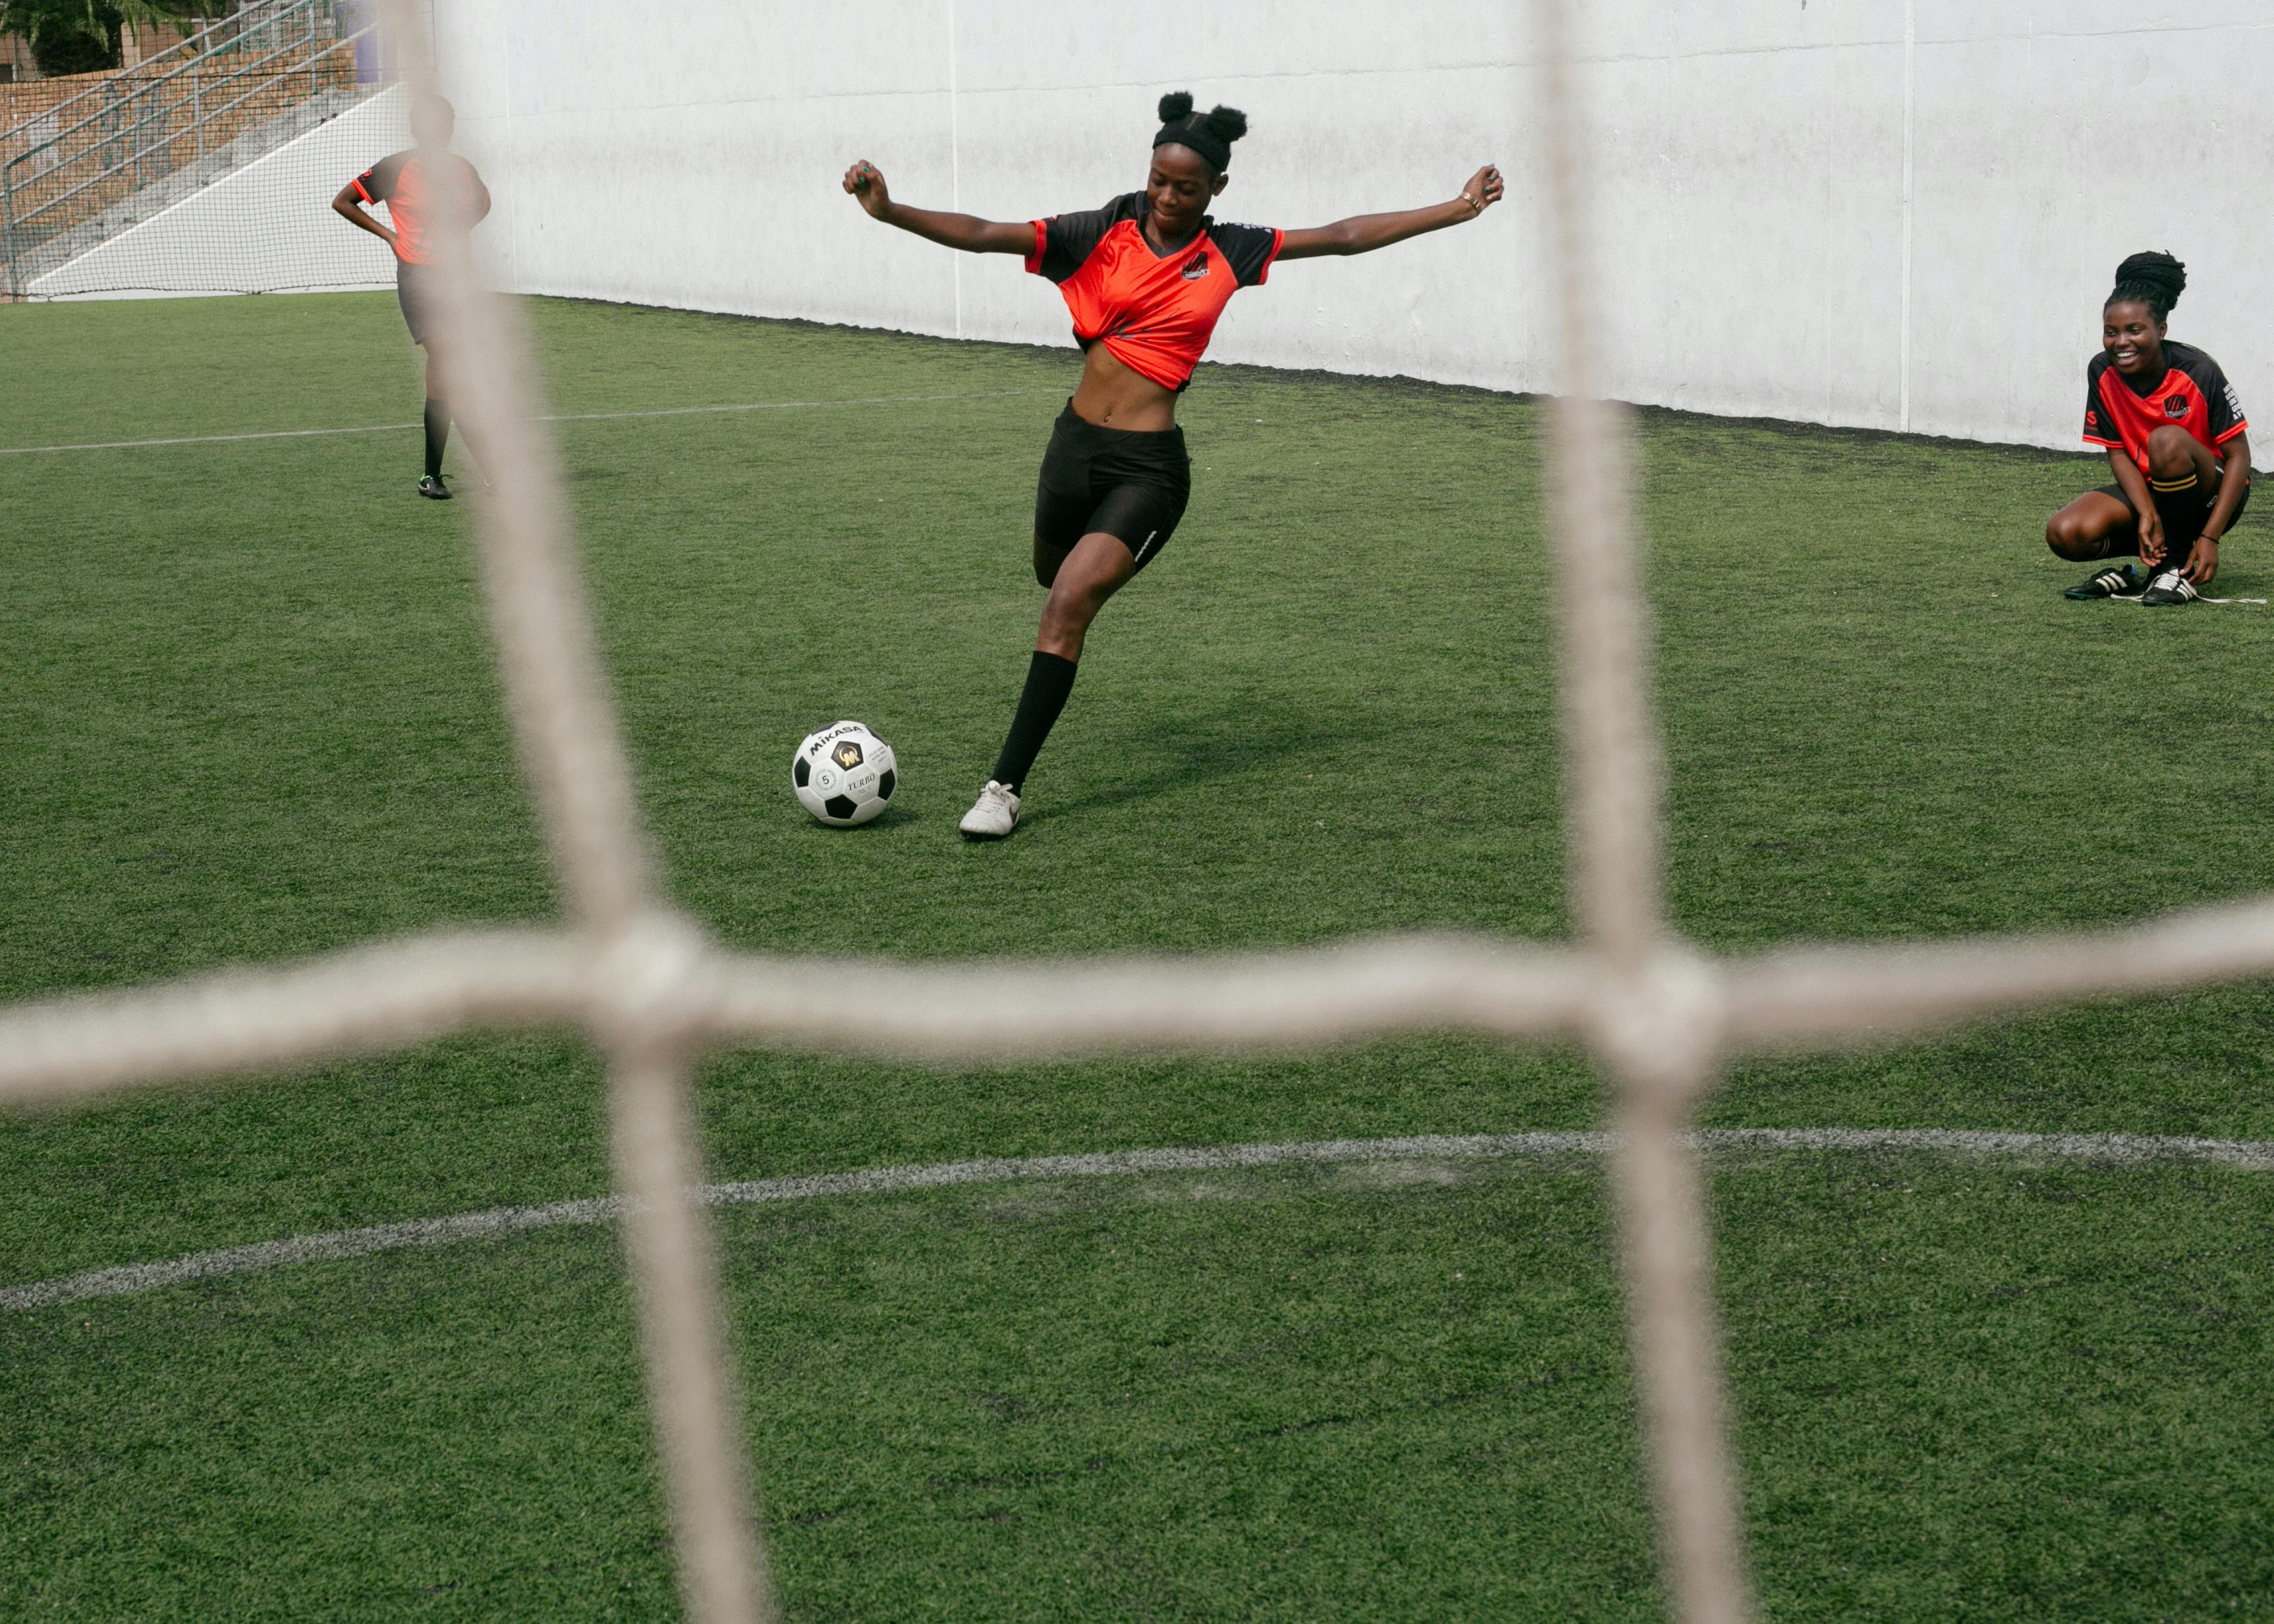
2183,505
438,434
1050,679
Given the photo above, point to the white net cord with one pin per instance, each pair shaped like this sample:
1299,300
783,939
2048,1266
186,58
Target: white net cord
654,994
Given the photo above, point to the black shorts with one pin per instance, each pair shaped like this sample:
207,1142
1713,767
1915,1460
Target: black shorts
415,292
1131,483
2184,512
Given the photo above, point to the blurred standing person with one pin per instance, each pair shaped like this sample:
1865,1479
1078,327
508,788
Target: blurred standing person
425,188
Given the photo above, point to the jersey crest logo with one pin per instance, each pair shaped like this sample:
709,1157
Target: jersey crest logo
1197,269
2176,407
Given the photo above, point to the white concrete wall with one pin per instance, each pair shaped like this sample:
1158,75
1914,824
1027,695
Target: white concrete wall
1883,212
268,228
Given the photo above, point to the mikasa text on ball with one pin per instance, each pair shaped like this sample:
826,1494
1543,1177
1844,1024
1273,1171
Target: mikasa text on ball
844,774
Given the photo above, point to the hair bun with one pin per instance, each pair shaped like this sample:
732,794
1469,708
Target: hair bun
1175,105
2159,270
1228,123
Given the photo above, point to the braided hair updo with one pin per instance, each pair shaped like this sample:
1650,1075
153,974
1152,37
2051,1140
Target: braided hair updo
2155,279
1209,134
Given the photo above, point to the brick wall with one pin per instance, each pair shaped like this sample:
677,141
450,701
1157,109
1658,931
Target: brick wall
28,97
21,102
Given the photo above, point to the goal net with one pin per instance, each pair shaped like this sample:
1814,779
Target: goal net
207,168
652,992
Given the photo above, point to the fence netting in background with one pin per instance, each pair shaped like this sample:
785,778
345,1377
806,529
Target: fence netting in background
652,992
206,168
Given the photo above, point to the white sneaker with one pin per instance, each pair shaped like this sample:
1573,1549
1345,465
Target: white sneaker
994,815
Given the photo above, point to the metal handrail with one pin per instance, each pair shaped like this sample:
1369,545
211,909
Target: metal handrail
204,117
113,99
220,70
196,44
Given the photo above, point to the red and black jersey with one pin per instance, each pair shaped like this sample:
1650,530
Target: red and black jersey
1153,312
2194,395
400,181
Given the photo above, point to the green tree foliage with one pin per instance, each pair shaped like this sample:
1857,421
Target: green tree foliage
83,37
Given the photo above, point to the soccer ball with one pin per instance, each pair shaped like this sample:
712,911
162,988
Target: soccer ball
844,774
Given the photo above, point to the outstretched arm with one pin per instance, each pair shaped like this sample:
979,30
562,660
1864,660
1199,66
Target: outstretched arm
968,232
1364,233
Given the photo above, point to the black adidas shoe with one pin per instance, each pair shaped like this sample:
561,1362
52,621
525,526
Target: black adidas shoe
2111,582
432,485
2169,586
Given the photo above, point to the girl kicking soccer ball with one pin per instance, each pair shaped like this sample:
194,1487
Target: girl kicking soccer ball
2177,442
1146,278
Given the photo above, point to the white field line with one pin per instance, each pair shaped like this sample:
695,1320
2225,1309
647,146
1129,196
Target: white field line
2254,1156
565,416
2259,601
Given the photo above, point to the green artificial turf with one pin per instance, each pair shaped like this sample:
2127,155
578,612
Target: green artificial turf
247,712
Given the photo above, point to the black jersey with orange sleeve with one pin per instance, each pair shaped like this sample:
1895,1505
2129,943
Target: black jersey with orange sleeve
1153,313
403,182
2194,394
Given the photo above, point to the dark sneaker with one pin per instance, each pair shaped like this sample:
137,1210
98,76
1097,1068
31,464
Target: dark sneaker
2169,586
2125,582
432,485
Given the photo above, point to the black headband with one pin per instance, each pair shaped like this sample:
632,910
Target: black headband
1192,130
